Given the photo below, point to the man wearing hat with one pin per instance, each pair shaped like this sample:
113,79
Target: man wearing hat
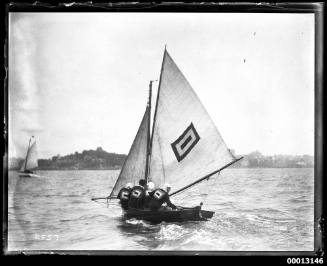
148,194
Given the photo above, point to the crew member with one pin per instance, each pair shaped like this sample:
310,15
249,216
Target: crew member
136,199
148,194
124,194
159,197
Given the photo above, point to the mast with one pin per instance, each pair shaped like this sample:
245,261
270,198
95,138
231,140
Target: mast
28,149
148,151
205,177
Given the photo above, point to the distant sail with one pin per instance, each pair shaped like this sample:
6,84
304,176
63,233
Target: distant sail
135,163
30,161
186,144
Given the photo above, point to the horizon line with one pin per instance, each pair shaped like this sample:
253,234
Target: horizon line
235,154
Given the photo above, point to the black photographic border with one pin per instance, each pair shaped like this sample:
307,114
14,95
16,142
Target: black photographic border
301,7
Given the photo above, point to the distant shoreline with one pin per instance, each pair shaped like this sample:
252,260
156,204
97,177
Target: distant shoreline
100,159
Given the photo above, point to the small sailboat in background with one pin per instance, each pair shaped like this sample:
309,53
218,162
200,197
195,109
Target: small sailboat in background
30,162
184,145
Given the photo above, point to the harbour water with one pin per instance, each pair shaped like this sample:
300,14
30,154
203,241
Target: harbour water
255,210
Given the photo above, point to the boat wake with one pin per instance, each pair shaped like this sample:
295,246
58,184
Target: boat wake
171,232
134,221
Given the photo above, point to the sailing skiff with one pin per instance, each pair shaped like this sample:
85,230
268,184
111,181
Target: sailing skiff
183,148
30,162
182,215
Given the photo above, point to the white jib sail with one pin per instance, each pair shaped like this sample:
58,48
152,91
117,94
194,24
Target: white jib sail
186,144
134,166
31,158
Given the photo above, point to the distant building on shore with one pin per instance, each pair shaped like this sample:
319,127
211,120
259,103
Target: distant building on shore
257,160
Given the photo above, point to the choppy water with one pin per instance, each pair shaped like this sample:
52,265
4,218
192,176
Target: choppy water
255,210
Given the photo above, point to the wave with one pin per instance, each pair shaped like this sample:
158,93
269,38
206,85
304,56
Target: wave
299,200
87,217
254,210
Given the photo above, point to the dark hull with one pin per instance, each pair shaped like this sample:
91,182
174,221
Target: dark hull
22,174
182,215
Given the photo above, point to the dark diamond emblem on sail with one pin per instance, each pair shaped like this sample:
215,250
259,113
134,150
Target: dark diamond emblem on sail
185,143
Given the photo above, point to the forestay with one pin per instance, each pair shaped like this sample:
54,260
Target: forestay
186,145
135,163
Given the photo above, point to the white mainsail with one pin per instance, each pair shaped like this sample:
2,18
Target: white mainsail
135,164
186,144
30,161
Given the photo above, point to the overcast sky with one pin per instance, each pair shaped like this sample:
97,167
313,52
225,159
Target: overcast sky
80,80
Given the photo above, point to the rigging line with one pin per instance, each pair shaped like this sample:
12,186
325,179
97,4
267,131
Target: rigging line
147,148
157,100
156,107
101,202
108,201
147,152
99,198
205,177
